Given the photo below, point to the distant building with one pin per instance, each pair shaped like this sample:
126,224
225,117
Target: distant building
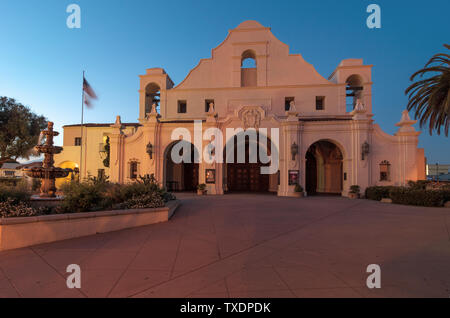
434,170
444,177
9,170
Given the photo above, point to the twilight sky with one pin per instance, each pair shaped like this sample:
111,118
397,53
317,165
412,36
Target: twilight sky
41,60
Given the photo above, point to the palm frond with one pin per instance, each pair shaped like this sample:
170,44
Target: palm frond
429,98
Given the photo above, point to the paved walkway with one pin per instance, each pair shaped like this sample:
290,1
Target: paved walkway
244,245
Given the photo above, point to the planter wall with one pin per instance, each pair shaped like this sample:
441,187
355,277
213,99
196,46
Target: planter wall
27,231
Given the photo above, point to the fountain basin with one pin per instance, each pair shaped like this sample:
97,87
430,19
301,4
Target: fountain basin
49,149
36,201
49,132
51,173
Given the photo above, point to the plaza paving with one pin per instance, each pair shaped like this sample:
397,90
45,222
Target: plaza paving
244,245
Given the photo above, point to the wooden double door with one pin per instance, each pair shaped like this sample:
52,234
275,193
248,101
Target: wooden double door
190,176
246,177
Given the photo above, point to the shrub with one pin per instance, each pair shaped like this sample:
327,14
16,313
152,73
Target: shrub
122,192
355,188
378,192
201,187
36,184
84,196
99,194
167,196
10,208
92,195
17,193
8,181
418,185
298,188
143,201
411,196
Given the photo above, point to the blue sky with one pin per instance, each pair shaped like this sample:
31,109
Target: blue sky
41,60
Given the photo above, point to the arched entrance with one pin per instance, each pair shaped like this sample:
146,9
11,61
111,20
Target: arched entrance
181,176
71,176
245,175
323,168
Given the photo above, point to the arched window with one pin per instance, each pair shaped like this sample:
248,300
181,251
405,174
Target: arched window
385,171
248,68
354,90
152,96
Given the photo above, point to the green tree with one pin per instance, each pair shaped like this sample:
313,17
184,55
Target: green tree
108,154
19,129
430,97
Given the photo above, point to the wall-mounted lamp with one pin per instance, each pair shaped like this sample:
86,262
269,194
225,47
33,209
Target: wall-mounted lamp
365,150
294,150
150,150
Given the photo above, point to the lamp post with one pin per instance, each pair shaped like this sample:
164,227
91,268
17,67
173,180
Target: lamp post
437,172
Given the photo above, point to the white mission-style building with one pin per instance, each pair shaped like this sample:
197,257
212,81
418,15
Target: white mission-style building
327,138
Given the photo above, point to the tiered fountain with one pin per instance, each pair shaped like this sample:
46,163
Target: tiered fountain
48,173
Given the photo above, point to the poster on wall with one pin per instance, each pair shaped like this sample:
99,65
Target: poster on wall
210,176
293,177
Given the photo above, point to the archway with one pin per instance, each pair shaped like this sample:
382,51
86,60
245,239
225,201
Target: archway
248,69
71,176
152,96
324,168
354,91
245,175
181,176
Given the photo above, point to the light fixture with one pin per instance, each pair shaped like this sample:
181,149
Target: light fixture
294,150
365,149
150,150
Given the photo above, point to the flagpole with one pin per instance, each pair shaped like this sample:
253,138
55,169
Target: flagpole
82,118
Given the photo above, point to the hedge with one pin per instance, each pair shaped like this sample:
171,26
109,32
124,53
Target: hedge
378,192
16,194
409,195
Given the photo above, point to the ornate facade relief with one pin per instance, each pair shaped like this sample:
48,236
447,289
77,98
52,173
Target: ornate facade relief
251,116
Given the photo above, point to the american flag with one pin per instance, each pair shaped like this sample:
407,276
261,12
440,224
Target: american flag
89,93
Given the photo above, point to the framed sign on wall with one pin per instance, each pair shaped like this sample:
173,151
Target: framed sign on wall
210,175
294,177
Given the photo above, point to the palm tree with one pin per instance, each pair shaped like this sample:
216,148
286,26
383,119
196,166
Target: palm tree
430,98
